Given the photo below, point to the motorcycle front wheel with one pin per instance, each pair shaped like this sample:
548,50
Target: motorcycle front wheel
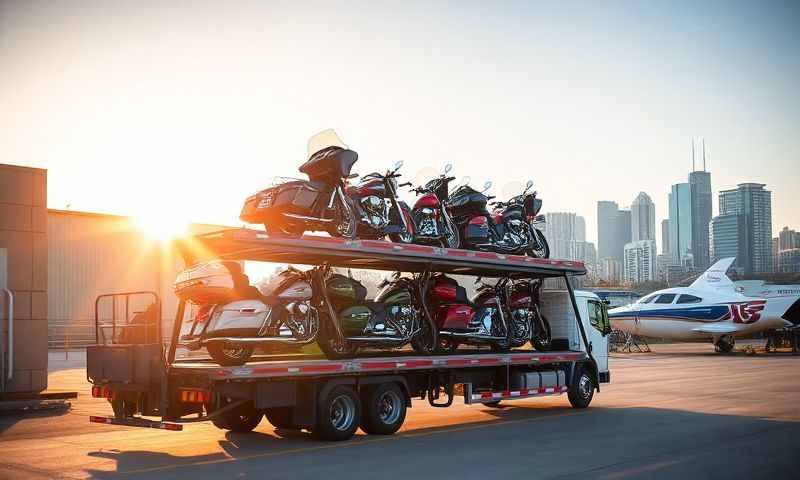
406,236
452,239
346,225
543,339
426,342
540,248
329,343
229,356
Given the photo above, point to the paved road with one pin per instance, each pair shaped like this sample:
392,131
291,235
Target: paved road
681,412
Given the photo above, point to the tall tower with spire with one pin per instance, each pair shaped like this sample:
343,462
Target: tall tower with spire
701,199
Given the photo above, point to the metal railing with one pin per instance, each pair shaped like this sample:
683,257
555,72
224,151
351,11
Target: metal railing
70,333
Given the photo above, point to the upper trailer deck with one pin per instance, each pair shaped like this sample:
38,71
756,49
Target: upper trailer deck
245,244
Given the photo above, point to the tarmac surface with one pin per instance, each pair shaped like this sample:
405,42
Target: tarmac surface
679,412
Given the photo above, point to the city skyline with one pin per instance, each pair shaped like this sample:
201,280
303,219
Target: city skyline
164,94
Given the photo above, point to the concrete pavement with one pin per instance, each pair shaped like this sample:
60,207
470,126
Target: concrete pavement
681,411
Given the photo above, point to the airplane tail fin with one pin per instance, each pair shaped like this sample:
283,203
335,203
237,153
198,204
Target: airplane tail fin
715,277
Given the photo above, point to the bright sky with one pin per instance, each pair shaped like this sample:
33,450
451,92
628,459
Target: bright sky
185,109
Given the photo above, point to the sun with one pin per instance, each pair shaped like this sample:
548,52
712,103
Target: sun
161,225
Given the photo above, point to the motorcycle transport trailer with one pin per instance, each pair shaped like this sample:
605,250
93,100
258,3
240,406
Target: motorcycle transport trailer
332,398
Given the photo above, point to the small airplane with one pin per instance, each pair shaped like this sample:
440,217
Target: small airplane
711,307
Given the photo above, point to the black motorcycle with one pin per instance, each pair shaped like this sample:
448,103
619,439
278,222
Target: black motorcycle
433,222
510,228
325,202
379,209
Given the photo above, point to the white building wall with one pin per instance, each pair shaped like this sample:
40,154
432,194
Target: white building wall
640,262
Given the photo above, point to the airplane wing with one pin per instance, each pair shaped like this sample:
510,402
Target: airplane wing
718,328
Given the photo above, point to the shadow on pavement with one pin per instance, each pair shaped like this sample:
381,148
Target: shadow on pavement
551,441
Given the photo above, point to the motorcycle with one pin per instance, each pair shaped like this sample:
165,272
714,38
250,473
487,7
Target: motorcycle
231,318
379,209
326,202
433,221
528,322
511,228
482,321
398,315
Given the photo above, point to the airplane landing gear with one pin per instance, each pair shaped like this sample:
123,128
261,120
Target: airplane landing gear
724,344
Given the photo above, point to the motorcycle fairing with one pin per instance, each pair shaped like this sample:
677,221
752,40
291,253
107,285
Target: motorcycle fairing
330,165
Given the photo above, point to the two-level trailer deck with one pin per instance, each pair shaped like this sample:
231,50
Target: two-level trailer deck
333,398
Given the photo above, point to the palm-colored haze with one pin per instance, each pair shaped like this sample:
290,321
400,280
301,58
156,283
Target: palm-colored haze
185,108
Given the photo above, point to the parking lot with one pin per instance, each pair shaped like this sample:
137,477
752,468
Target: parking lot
679,411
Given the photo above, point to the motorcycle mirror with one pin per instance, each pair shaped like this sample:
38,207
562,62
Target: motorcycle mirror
528,185
487,185
398,164
352,176
447,168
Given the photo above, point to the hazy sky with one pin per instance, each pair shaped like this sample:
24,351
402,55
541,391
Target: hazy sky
186,108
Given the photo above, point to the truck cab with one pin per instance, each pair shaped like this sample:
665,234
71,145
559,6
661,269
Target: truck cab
557,308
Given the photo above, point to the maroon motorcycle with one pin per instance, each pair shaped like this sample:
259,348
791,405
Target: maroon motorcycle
502,316
433,221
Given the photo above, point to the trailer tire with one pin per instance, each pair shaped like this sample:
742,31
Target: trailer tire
281,417
384,409
582,389
338,414
242,419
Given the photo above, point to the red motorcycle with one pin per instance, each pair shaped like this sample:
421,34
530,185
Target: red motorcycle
503,316
433,221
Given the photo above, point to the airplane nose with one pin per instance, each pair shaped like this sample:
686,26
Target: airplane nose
792,313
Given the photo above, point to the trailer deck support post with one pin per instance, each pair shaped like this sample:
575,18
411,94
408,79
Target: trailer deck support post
581,329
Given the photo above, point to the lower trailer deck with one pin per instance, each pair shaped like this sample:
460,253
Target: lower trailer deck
369,365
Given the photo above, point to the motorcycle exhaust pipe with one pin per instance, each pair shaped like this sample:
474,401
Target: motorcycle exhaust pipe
255,341
446,333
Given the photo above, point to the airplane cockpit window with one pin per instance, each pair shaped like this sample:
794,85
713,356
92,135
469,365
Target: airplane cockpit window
665,298
685,298
647,299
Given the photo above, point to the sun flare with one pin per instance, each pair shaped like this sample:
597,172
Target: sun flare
162,226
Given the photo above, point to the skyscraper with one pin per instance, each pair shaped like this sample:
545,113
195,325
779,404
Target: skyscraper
562,231
701,216
623,233
754,203
665,236
728,237
640,261
607,213
680,223
643,218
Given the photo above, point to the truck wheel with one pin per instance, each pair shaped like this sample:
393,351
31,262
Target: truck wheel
281,417
338,414
228,356
242,419
384,409
582,389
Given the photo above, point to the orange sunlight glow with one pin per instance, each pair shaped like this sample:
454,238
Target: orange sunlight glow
161,225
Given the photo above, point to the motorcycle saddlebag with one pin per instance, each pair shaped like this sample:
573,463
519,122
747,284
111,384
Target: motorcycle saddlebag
345,291
243,318
477,230
216,281
296,197
446,290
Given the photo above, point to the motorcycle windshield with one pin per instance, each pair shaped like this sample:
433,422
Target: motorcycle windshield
324,139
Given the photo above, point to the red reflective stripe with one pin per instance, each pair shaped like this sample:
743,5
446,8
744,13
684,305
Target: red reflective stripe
323,368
